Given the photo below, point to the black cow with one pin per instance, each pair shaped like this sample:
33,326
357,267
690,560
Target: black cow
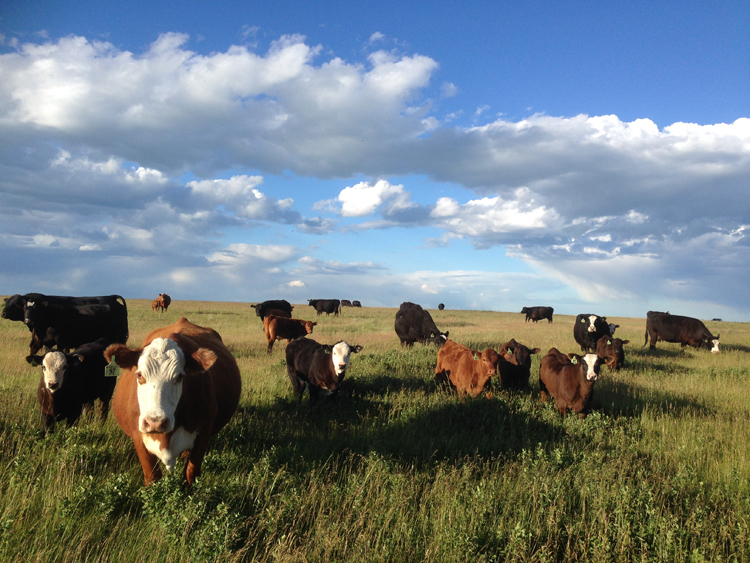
14,310
326,306
414,324
262,309
66,326
538,313
676,328
356,303
317,367
441,307
346,303
514,366
588,329
71,382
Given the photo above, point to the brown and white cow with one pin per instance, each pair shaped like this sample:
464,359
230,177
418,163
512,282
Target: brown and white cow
277,328
176,391
164,301
317,367
569,380
466,370
610,348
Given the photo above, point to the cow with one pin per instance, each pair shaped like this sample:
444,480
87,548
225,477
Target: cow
538,313
177,390
71,382
514,367
414,324
317,367
467,371
277,328
569,380
155,305
356,303
326,306
610,348
67,326
588,329
262,309
14,306
164,301
441,307
676,328
346,303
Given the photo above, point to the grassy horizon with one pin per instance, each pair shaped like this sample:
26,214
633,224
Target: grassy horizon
397,469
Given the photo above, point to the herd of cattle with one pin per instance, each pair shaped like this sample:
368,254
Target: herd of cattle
183,384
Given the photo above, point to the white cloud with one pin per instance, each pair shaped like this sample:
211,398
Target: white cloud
363,198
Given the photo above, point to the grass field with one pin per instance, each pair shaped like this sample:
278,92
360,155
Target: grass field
396,469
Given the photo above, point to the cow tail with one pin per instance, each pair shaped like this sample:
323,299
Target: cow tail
646,341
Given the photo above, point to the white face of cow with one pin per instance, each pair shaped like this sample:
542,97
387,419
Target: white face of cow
53,370
340,357
160,372
590,361
592,320
715,342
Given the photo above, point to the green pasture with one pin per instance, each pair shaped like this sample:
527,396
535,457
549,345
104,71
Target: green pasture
397,469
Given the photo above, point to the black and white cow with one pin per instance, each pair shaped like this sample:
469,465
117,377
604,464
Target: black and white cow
676,328
590,328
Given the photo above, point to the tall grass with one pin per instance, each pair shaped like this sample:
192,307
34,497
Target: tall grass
397,469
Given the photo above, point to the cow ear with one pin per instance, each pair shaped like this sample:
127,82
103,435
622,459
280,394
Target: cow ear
625,342
536,350
315,324
356,349
125,358
200,360
327,348
446,335
35,361
75,359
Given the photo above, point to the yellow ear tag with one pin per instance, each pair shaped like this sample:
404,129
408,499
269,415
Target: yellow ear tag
111,369
573,360
476,357
609,342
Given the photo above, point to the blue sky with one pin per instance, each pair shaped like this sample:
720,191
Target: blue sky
590,156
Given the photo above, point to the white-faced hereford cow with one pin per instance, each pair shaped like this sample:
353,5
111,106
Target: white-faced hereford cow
588,329
277,328
71,382
676,328
319,367
467,371
176,391
569,380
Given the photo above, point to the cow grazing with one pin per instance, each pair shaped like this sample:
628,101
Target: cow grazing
14,309
588,329
164,301
356,303
176,391
71,382
317,367
441,307
569,380
326,306
346,303
262,309
611,348
67,326
467,371
514,367
414,324
676,328
538,313
277,328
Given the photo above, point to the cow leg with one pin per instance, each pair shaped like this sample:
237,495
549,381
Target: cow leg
296,382
149,462
195,461
270,344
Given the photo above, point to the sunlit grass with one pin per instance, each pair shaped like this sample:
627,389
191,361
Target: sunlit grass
397,469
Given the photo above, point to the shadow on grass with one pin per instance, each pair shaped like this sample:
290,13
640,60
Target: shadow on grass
616,399
734,348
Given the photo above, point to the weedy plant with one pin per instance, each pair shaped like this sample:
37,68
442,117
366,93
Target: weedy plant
397,468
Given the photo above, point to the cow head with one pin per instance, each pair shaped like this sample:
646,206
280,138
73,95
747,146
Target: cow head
592,323
340,353
591,363
489,359
438,337
54,366
517,354
612,328
160,371
714,342
13,308
30,311
309,326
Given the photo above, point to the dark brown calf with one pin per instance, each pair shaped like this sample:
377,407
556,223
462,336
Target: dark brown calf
610,348
317,367
277,328
569,380
514,367
467,371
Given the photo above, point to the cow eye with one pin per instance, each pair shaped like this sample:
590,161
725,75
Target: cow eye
139,377
179,377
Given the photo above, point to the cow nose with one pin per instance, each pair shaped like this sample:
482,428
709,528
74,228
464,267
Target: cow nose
154,425
52,386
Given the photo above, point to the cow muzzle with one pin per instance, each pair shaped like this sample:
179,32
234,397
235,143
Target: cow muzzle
155,425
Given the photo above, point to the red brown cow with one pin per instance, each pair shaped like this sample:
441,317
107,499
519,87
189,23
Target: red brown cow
569,380
514,367
164,301
277,328
467,371
155,304
176,391
610,348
